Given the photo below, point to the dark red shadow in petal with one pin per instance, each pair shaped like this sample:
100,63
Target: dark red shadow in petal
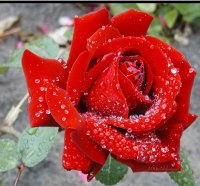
84,27
61,108
132,22
39,72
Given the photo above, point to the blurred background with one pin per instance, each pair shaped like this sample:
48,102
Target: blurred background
21,23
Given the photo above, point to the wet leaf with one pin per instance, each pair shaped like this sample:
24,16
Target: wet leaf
117,8
147,7
44,47
112,172
35,143
170,17
184,177
8,155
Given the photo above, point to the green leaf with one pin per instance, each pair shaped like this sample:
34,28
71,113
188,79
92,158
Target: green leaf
117,8
8,155
35,143
155,27
44,47
190,11
170,17
184,177
112,172
147,7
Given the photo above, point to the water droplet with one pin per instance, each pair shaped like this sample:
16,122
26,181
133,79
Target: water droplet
63,118
37,114
62,106
48,111
32,131
40,99
37,81
174,70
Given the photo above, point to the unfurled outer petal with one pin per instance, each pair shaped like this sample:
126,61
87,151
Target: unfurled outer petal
77,76
84,27
61,108
132,22
39,72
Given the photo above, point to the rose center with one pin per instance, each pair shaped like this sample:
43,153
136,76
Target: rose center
133,68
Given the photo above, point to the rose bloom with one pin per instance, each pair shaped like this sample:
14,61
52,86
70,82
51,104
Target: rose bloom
121,92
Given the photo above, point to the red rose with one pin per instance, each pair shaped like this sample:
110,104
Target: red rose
121,93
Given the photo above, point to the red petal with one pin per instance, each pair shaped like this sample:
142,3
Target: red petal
81,138
170,166
73,158
101,36
145,148
84,27
159,112
183,99
141,46
96,70
136,101
132,22
191,119
105,96
186,73
38,72
61,108
77,75
95,169
171,52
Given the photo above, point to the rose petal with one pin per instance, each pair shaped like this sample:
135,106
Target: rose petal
136,101
81,138
61,108
38,72
145,148
191,119
84,27
171,52
73,158
132,22
170,166
101,36
183,99
105,96
158,113
77,75
96,70
139,45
